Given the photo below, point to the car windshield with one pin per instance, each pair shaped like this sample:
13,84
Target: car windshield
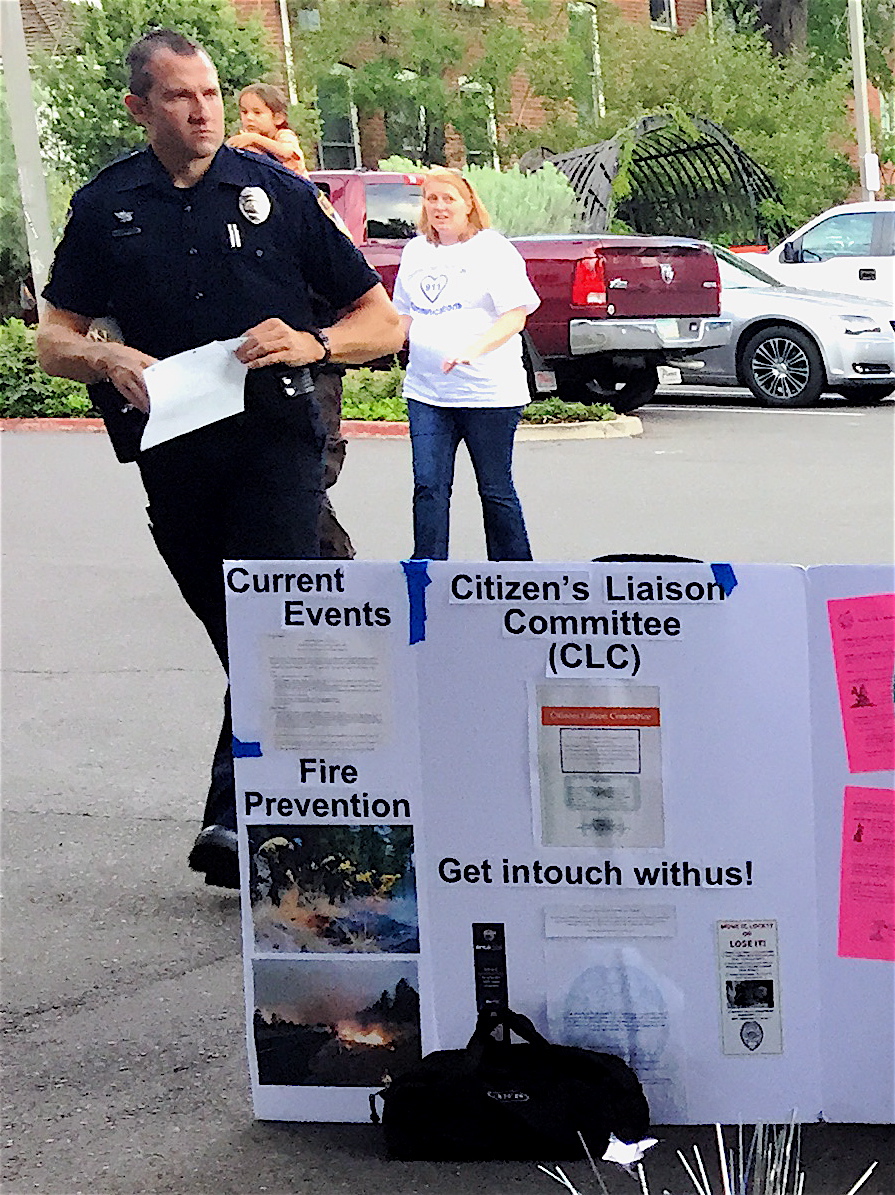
737,274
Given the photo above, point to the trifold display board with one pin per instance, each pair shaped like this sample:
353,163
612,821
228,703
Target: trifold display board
662,793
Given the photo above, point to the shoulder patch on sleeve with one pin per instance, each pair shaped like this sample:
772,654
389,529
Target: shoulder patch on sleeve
330,212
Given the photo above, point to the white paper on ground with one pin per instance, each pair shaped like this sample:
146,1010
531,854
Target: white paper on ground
193,389
625,1153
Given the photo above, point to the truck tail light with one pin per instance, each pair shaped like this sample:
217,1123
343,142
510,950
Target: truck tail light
589,283
715,283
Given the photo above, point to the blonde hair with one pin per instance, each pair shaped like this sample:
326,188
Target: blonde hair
478,214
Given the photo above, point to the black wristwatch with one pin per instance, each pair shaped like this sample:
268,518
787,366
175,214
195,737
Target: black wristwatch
323,340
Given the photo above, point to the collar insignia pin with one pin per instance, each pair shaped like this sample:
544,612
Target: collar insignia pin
124,217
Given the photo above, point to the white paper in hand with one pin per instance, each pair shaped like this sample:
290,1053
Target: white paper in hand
193,389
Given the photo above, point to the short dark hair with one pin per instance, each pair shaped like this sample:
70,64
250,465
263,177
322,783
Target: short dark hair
141,53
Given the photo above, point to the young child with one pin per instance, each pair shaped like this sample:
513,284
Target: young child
265,126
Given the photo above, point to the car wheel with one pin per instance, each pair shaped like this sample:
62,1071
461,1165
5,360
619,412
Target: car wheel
783,367
623,391
866,396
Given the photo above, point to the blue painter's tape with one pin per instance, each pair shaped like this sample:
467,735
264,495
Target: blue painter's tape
417,575
726,578
243,750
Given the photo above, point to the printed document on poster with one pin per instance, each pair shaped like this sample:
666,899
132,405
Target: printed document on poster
610,920
327,693
863,632
867,876
749,972
620,999
599,765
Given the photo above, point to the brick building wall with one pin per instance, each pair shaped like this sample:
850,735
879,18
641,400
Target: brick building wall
689,12
526,109
268,13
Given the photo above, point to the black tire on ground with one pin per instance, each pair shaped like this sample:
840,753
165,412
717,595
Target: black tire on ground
782,366
623,391
530,375
866,396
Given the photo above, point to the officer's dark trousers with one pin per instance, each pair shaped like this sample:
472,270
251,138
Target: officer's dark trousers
245,488
335,543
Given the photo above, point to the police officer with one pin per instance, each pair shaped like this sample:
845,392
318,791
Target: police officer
185,242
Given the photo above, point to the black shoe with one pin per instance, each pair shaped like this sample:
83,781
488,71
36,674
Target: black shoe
215,853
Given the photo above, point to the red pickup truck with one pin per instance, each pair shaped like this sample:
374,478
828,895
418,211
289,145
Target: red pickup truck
613,308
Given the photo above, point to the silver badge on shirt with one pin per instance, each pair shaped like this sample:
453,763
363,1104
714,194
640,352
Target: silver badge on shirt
254,203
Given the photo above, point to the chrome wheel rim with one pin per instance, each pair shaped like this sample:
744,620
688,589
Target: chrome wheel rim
781,368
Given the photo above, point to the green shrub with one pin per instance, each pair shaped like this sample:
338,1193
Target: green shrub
518,204
370,395
25,390
554,410
526,204
374,395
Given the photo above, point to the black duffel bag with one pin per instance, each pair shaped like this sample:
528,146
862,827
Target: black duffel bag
504,1101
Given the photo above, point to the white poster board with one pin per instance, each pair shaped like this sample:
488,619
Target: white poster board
857,981
613,762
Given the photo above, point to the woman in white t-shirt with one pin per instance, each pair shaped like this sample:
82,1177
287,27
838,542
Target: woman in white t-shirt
464,296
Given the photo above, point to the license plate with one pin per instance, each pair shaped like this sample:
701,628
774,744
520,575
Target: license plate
668,329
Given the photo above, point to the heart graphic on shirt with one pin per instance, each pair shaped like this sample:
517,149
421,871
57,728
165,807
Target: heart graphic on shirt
433,285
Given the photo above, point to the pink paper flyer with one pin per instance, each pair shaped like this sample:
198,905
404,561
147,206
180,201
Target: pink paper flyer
863,633
867,874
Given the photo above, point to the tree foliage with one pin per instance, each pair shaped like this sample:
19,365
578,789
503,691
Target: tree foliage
828,37
409,56
15,267
787,111
783,22
85,123
827,33
789,116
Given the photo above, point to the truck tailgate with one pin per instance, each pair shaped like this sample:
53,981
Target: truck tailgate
659,279
641,276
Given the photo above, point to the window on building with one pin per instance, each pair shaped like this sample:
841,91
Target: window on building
410,129
476,122
308,20
339,141
663,14
887,111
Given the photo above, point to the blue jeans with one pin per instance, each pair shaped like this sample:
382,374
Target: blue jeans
435,433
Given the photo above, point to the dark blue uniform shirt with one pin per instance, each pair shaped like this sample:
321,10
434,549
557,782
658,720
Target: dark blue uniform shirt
179,267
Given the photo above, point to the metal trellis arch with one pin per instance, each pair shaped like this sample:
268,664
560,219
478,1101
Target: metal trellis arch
692,181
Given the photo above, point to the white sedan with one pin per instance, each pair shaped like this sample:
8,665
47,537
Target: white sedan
789,346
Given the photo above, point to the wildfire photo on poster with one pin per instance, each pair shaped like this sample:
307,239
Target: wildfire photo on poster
324,889
335,1023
